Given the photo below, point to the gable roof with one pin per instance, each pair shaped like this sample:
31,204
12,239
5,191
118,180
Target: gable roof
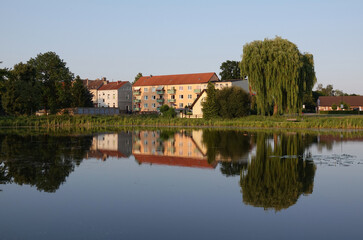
193,78
351,100
197,99
92,84
113,85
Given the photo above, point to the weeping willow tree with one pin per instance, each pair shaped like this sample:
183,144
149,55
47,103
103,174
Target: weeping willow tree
279,74
278,175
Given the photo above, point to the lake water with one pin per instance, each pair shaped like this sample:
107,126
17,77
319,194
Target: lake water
182,184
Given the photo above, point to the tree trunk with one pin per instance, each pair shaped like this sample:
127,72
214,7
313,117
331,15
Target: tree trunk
276,109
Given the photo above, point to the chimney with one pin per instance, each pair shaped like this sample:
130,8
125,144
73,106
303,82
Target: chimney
87,81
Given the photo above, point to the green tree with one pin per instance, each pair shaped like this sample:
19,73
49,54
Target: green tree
22,91
4,73
138,76
279,74
334,107
168,112
209,106
232,102
55,78
81,96
230,70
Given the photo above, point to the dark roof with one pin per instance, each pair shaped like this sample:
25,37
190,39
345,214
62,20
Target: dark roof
113,85
92,84
350,100
193,78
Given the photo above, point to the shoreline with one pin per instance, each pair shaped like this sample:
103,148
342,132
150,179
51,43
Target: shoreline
307,123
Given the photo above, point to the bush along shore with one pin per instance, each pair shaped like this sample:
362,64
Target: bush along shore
88,121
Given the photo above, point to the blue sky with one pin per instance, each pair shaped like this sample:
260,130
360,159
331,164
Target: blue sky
118,39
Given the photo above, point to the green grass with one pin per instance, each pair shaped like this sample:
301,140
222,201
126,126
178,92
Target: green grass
315,122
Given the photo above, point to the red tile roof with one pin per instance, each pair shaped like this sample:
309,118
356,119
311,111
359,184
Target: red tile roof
174,161
112,85
193,78
353,101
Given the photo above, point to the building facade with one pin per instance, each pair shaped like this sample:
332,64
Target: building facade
178,91
93,86
325,103
116,95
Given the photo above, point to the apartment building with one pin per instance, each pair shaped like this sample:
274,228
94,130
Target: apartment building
93,86
115,94
178,91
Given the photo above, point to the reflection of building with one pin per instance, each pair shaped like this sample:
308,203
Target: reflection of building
111,145
170,148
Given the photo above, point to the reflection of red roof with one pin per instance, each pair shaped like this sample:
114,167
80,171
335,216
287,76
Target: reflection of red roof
112,85
174,79
174,161
112,153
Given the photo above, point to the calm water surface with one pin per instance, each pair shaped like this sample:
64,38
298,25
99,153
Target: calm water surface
182,184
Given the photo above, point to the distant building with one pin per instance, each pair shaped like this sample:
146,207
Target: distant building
115,94
354,102
93,86
178,91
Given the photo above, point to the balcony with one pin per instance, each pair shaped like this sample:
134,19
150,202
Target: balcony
160,100
172,100
197,90
136,93
171,91
136,109
160,92
137,100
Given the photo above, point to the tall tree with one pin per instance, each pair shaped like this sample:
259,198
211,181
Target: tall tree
209,106
22,91
137,77
4,73
230,70
81,96
55,78
279,73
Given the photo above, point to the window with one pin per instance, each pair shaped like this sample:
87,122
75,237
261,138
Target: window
108,96
190,96
103,100
189,88
146,89
153,89
153,105
153,97
181,88
180,105
181,96
113,104
114,96
146,97
145,105
127,97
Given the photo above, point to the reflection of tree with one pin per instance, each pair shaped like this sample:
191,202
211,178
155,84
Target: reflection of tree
277,176
42,161
229,144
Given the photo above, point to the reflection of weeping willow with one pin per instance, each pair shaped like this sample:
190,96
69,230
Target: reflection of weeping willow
276,177
41,161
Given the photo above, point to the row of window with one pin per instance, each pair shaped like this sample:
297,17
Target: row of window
153,105
114,96
153,89
190,96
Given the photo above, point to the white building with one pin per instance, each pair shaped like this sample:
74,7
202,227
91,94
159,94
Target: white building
115,94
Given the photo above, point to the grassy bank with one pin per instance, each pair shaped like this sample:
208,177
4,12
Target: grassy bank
316,122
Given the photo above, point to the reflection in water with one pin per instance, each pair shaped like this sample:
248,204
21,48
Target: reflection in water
278,173
42,161
106,145
274,169
173,148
